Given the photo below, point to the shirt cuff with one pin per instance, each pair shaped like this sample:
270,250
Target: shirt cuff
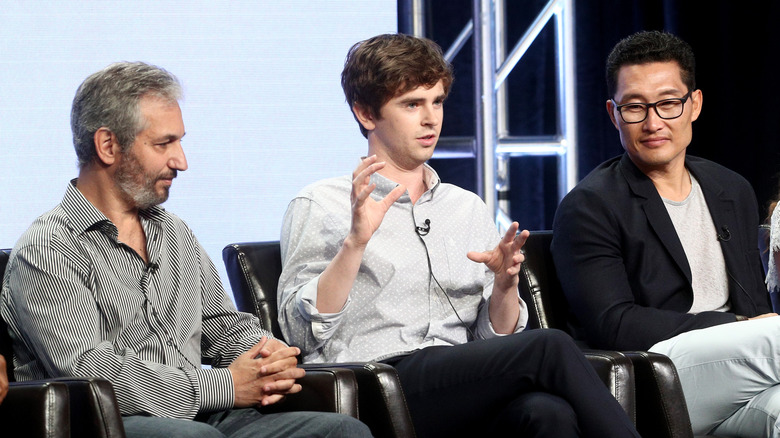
485,327
323,325
215,386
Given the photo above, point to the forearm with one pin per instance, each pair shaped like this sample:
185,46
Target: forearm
337,279
504,306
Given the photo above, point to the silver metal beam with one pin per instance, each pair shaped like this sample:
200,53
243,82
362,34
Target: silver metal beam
493,144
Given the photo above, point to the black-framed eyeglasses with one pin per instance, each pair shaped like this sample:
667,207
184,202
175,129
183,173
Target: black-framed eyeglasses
636,112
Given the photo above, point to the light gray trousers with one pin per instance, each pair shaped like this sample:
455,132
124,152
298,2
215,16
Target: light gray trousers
730,375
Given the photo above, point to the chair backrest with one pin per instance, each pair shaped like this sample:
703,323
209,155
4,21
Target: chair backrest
253,269
541,290
6,346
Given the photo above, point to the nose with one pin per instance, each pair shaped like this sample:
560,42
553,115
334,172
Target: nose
177,159
653,122
432,115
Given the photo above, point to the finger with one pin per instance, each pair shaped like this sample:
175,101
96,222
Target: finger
281,366
283,353
281,386
271,399
510,233
520,239
362,177
363,194
364,162
256,349
393,196
479,257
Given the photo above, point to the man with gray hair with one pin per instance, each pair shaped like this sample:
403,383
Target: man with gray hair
109,284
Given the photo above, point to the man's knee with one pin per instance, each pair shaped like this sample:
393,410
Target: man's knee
337,425
538,414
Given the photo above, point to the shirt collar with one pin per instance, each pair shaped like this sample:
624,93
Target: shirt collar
84,215
385,185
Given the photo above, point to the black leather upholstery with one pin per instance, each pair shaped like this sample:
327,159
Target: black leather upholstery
36,409
254,269
660,406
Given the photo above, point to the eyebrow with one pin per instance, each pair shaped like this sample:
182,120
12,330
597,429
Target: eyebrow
167,138
671,92
441,97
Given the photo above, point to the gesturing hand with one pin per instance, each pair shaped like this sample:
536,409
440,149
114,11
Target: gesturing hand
367,214
265,373
506,258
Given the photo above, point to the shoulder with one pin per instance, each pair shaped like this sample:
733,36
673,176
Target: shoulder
454,194
326,189
49,229
710,171
603,182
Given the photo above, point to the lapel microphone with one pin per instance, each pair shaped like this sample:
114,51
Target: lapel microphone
725,234
425,229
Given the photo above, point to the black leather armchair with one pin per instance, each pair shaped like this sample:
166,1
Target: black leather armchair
254,269
62,407
86,407
661,410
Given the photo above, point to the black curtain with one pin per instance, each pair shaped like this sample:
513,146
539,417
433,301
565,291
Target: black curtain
735,45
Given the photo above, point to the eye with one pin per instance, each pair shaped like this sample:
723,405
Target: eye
668,104
633,108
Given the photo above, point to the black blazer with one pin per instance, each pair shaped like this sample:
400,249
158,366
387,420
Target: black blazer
623,268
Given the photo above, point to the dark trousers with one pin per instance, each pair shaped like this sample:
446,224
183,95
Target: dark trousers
530,384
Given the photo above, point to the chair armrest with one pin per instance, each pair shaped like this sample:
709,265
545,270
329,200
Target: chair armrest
660,401
36,409
617,372
325,389
93,408
382,402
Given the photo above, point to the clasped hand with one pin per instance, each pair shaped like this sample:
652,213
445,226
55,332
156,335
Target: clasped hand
265,373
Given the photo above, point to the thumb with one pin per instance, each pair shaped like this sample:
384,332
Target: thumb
479,257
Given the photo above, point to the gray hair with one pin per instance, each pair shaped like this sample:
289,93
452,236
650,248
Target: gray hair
110,98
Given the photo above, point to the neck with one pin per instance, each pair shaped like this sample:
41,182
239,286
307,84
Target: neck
411,175
101,191
675,186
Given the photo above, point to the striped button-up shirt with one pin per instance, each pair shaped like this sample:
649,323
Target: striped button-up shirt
79,302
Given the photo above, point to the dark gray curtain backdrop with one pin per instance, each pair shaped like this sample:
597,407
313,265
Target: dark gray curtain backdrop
736,45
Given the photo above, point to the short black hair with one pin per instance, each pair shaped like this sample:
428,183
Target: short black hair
651,46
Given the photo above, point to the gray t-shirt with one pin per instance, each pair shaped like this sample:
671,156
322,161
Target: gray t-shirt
698,235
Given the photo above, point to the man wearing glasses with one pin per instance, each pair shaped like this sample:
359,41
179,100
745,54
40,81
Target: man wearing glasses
657,250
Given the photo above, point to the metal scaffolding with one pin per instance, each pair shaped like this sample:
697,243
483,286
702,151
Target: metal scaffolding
492,146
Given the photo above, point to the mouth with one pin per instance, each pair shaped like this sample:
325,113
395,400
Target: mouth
655,141
427,140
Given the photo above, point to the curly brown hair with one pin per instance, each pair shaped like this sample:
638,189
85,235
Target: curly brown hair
385,66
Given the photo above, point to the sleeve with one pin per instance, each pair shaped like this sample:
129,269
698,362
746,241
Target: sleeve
589,259
227,333
48,280
309,241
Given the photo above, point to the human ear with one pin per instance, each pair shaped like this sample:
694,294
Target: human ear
696,102
611,112
364,117
106,146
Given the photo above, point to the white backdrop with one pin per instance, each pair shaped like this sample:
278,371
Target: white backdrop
263,107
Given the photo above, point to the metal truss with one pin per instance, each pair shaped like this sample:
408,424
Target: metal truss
492,146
